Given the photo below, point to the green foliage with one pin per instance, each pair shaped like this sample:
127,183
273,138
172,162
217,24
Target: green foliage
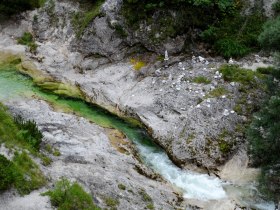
263,135
270,37
28,175
81,20
46,160
21,172
233,73
236,35
145,196
29,132
111,202
6,173
269,183
268,70
28,40
201,79
217,92
229,47
70,196
174,17
276,7
10,7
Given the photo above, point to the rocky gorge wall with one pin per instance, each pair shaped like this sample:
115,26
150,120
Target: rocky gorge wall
199,124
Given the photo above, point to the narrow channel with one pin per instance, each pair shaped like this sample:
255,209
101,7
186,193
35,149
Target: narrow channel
193,185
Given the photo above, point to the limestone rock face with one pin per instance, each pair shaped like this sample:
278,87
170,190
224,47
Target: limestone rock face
88,157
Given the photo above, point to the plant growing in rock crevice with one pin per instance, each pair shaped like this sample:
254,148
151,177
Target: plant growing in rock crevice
70,196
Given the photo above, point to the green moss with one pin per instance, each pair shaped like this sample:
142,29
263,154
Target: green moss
46,161
70,196
111,202
238,109
121,186
48,148
150,206
145,196
201,80
224,146
56,152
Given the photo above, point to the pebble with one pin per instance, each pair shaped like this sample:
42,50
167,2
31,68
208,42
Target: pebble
223,96
226,112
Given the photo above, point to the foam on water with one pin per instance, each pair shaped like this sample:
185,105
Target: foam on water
194,185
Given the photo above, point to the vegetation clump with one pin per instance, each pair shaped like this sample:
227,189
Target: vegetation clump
233,73
24,134
201,80
10,7
70,196
264,131
236,35
137,64
81,20
217,92
28,40
270,36
111,202
21,172
7,176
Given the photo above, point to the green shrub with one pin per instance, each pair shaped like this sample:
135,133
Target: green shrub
268,70
174,17
229,47
270,37
235,35
276,7
10,7
70,196
264,133
7,176
201,80
29,132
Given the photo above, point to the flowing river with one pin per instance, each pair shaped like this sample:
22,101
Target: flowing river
193,185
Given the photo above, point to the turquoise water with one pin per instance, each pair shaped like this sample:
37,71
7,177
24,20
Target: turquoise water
193,185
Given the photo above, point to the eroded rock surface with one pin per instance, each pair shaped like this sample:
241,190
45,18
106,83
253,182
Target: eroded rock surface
88,157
